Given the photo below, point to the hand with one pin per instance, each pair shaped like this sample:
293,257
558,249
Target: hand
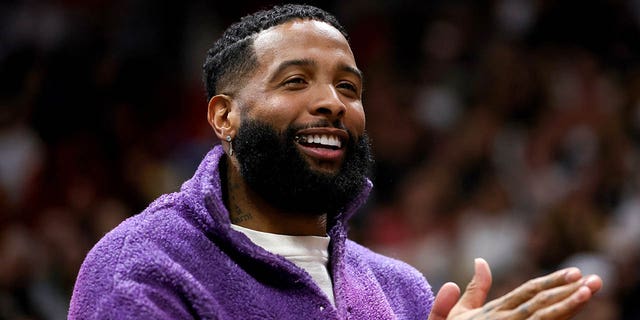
558,295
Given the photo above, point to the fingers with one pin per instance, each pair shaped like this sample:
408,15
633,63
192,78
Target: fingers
532,287
445,300
567,308
561,302
547,298
476,293
559,295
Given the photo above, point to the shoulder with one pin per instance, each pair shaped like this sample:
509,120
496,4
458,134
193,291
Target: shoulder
140,250
132,237
159,220
167,225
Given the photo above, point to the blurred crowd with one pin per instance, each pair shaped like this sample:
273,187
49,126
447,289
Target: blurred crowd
503,129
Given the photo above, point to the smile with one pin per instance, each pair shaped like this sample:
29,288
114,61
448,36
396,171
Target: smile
320,140
324,146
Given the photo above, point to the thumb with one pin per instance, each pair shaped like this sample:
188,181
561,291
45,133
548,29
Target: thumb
445,300
477,290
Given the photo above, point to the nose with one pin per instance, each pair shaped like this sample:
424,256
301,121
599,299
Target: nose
328,103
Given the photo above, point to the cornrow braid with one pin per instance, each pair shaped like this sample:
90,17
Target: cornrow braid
231,58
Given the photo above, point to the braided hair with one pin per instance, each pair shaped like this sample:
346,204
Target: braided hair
232,58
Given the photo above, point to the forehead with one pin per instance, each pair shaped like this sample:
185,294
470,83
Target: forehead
298,39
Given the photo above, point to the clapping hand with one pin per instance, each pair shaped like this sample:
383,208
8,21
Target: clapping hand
558,295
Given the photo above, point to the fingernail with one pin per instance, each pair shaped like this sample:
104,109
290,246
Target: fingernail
573,274
590,281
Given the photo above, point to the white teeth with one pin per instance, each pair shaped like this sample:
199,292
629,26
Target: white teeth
326,140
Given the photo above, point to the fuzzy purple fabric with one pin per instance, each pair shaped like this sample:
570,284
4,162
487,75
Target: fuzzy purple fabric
180,259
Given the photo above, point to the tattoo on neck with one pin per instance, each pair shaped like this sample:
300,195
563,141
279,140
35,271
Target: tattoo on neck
236,214
240,216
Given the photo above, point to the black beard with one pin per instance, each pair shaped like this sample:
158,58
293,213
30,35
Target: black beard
272,166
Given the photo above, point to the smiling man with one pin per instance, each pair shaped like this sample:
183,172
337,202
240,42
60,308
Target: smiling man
260,231
296,128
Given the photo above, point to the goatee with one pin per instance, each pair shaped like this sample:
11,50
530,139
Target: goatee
273,167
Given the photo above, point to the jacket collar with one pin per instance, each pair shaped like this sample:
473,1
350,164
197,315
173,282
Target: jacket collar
205,189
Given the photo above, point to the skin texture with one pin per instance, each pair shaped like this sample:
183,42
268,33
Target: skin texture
307,75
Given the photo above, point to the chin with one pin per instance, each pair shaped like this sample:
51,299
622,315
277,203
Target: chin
325,168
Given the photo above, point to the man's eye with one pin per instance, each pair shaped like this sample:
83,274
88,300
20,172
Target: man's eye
295,81
349,86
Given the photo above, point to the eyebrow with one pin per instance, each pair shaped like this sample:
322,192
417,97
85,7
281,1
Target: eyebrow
312,63
353,70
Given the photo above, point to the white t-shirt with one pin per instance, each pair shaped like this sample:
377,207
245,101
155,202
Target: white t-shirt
310,253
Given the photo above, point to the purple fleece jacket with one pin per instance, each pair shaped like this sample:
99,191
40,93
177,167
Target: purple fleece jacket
180,259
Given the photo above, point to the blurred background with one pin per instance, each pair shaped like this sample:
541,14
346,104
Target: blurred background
504,129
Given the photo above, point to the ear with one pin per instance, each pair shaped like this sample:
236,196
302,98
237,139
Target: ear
221,115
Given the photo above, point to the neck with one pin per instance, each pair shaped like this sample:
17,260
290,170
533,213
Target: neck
249,210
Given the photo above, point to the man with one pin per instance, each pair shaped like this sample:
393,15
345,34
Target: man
259,232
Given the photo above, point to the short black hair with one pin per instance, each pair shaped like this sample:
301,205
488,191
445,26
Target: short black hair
232,56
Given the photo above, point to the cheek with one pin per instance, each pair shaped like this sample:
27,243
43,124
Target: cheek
356,119
278,112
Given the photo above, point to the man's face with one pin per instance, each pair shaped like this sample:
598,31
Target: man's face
302,117
307,74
